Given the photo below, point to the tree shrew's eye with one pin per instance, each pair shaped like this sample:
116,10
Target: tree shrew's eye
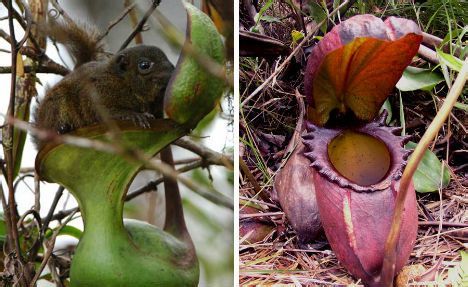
144,66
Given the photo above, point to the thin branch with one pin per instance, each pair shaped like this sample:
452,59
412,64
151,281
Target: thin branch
428,54
263,214
37,193
45,69
186,160
49,215
139,27
50,248
207,192
243,166
112,24
134,21
444,224
149,187
153,185
26,25
5,36
64,213
208,155
44,60
297,131
435,41
10,213
27,30
60,10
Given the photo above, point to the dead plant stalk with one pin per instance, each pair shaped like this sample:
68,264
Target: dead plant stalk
388,267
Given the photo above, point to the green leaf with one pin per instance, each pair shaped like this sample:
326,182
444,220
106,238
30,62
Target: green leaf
19,136
270,19
457,33
66,230
318,14
3,228
387,107
427,177
205,123
296,36
260,13
452,62
458,275
461,106
418,79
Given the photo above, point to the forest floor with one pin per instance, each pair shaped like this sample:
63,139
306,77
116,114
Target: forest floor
269,250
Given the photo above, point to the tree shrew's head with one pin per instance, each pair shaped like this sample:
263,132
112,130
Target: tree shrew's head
147,67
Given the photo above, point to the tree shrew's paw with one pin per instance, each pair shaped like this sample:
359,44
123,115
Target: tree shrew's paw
139,119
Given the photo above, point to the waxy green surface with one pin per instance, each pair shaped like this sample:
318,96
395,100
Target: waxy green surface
192,91
112,252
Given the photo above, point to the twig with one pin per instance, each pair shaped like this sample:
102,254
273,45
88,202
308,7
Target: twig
20,179
289,58
139,27
297,13
10,213
193,165
5,36
50,244
243,166
297,131
25,25
388,267
53,271
151,186
59,70
44,60
207,192
208,155
134,21
444,224
460,124
264,214
428,54
60,10
435,41
28,18
186,160
49,215
127,10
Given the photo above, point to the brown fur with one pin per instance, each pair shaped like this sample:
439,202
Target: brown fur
116,85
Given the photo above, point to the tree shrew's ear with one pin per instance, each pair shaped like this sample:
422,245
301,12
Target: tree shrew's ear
122,62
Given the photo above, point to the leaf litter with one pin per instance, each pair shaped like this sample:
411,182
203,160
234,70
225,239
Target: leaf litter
267,124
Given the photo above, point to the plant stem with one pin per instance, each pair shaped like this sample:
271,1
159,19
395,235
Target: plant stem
388,267
11,212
